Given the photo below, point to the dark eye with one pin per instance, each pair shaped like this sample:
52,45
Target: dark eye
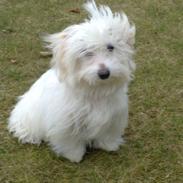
110,47
89,54
86,53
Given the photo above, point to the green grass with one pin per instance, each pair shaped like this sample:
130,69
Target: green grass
154,149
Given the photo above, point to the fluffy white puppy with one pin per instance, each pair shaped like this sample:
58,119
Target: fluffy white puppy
82,99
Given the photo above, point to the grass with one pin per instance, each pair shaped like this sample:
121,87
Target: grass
154,149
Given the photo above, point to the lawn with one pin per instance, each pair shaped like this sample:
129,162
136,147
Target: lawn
153,152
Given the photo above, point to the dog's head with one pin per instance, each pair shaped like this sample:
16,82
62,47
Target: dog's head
96,52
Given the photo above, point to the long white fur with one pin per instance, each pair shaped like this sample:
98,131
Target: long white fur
69,106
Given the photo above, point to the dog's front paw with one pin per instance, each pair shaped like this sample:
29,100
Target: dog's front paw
74,154
108,144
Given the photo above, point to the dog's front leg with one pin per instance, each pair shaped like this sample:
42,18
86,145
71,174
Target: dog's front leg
111,138
69,147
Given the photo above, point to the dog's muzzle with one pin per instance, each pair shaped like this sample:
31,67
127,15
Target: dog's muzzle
103,73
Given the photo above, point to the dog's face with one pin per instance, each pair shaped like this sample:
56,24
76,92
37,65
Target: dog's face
96,52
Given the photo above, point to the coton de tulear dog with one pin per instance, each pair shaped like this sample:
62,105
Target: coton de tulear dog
82,99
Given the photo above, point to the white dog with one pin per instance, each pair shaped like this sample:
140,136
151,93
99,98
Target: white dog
82,100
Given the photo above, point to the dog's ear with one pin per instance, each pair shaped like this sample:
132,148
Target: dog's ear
131,42
56,43
128,29
131,36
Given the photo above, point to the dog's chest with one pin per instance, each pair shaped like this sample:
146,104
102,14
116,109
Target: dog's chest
94,116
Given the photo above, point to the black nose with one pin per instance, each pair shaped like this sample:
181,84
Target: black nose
103,73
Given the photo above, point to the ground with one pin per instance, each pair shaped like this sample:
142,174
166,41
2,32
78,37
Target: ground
153,152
